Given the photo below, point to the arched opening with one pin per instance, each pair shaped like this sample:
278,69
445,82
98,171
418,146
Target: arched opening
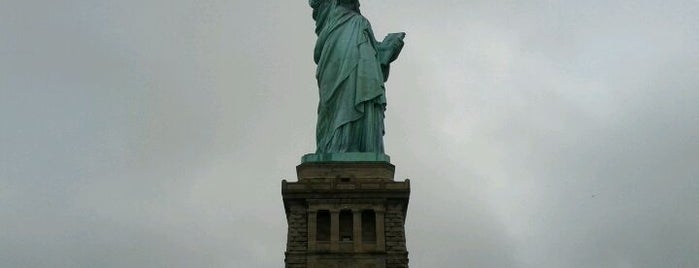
368,226
323,225
346,224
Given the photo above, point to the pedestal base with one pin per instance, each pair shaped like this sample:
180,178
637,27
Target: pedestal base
344,214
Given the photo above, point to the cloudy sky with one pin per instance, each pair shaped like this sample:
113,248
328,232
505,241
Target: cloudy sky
535,133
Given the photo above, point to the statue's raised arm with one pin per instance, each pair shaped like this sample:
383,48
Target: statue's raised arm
352,68
388,51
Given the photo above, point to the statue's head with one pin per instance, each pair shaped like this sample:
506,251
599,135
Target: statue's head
350,4
315,3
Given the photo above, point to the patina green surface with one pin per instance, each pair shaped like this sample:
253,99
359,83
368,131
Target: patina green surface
352,68
346,157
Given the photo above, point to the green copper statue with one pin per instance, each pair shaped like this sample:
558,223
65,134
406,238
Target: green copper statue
352,69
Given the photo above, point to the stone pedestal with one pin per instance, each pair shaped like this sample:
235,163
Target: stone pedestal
346,214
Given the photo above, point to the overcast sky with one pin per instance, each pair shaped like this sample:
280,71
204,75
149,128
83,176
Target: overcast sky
535,133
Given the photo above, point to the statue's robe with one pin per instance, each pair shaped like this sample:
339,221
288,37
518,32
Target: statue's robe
352,68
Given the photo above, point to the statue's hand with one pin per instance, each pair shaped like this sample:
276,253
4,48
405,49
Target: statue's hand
394,40
390,47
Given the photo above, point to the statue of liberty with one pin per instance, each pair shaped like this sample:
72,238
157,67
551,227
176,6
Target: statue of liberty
352,68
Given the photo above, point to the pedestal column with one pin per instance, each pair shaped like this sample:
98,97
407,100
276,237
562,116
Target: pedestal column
380,231
312,230
334,230
357,230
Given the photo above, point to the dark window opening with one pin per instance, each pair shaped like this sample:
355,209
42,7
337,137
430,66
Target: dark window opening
346,225
323,225
369,226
